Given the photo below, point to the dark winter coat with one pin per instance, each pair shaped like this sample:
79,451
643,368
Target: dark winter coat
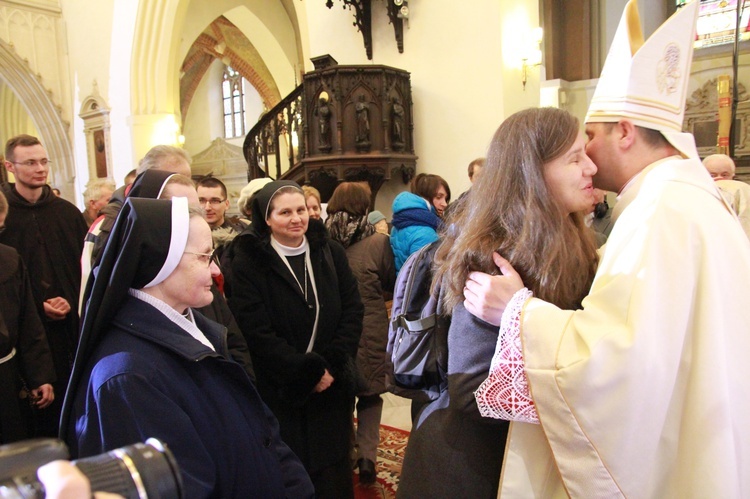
20,328
371,260
452,450
49,237
273,315
149,378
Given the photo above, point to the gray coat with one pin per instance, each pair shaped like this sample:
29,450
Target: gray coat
453,451
371,260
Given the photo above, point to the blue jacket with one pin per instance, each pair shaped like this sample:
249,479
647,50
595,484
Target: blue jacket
410,233
149,378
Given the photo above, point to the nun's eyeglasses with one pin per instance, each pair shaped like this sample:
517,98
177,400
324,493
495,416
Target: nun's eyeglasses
206,257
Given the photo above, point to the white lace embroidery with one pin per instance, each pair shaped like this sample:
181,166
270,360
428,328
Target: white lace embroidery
505,392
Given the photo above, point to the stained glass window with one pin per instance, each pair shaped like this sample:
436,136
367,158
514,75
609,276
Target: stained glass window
717,21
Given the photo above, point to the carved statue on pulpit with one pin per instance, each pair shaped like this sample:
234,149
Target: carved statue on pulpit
324,124
362,109
397,124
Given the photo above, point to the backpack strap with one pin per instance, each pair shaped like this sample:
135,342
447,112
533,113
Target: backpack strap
416,325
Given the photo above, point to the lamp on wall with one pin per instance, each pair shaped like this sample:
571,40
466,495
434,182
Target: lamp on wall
532,53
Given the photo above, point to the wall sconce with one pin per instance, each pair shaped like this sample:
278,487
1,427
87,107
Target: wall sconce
532,54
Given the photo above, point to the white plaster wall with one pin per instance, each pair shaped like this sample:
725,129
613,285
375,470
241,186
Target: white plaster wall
203,121
118,91
99,39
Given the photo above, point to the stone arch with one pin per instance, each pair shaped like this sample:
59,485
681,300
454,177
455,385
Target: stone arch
224,41
44,113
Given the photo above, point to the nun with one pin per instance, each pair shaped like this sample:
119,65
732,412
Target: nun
149,365
297,303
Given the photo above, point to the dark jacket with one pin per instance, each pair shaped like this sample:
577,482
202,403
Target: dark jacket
273,315
49,237
149,378
371,260
20,328
452,450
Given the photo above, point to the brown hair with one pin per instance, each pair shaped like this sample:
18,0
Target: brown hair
3,204
510,210
351,197
477,162
427,185
19,141
211,182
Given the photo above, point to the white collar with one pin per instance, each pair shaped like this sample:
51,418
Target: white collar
288,250
186,324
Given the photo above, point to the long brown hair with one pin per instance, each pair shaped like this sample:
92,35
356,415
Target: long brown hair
509,209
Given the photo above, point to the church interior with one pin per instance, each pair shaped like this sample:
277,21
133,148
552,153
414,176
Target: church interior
326,91
234,81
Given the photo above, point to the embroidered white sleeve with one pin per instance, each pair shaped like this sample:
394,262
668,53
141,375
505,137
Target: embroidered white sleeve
505,392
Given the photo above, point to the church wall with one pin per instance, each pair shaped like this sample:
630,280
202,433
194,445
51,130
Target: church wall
203,120
88,29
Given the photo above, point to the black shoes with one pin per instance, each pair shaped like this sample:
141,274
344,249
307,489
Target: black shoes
367,472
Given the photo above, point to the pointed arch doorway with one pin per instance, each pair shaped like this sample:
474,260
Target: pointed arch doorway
44,113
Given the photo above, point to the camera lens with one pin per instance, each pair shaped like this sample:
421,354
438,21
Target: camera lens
140,471
136,471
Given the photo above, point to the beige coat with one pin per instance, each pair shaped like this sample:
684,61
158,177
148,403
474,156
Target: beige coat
646,391
738,196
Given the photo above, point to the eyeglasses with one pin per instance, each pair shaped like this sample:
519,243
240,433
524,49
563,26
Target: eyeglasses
33,162
208,258
212,201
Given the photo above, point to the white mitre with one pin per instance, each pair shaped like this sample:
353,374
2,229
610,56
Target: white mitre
646,82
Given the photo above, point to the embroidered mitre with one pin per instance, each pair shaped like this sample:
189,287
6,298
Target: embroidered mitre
647,81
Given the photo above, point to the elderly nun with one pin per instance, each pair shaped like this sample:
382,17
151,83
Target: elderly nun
149,365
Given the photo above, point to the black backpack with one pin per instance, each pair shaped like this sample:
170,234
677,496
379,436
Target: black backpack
417,350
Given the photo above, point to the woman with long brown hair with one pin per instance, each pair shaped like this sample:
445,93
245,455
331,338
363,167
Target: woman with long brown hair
534,187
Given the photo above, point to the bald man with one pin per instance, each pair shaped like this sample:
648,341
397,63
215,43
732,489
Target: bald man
737,193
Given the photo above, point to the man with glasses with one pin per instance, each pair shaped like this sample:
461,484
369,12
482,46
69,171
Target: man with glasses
48,233
212,195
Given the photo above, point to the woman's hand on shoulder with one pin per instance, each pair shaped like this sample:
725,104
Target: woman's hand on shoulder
486,296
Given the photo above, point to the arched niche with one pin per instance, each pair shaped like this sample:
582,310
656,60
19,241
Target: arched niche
45,114
95,116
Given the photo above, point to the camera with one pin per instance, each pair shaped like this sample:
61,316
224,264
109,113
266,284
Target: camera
142,470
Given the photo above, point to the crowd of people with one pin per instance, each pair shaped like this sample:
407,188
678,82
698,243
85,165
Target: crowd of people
592,352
